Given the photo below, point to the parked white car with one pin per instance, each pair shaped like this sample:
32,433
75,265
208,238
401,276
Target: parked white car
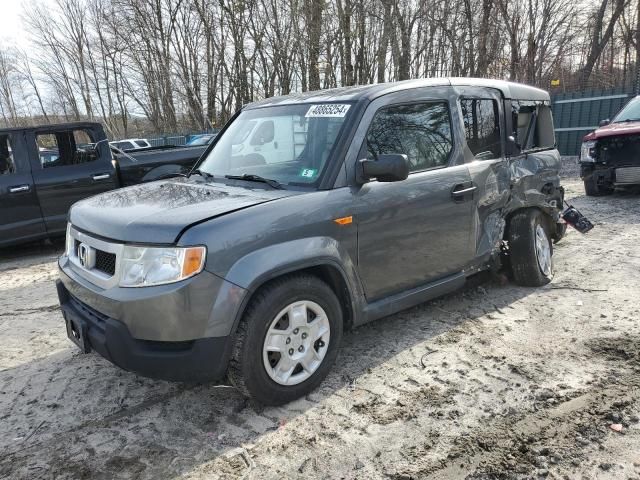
131,143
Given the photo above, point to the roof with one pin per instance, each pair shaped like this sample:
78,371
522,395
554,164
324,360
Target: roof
52,126
369,92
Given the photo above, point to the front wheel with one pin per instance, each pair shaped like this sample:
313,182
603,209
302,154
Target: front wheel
593,189
287,340
530,248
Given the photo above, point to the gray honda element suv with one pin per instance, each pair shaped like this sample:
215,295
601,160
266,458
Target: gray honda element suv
308,215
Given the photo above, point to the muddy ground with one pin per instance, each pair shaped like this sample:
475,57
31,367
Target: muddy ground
495,381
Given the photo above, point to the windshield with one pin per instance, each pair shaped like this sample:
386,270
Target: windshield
289,144
630,112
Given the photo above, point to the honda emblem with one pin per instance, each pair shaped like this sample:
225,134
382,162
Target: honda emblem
86,256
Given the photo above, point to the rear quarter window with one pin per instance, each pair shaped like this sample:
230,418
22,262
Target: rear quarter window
532,124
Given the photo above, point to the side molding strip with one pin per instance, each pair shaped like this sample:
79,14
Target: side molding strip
402,301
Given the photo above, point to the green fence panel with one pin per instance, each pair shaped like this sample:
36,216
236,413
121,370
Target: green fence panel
578,113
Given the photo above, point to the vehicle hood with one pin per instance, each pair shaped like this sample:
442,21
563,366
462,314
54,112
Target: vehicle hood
614,129
159,212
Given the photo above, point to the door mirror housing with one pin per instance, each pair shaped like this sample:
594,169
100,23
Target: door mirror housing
513,148
604,122
392,167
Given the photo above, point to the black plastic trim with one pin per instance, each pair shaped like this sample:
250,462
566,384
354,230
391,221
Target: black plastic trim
200,360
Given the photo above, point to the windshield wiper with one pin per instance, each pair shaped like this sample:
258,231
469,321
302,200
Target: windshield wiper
206,175
250,177
627,120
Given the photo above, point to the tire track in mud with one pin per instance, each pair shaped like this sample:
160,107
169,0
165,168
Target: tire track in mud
27,311
95,423
560,435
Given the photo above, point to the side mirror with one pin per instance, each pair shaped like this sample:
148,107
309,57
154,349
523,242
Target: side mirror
392,167
513,149
604,122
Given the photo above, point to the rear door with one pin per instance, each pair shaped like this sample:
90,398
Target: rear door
20,216
482,113
67,168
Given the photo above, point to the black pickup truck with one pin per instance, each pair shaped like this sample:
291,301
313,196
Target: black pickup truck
45,169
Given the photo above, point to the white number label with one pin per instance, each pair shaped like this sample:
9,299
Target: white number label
328,110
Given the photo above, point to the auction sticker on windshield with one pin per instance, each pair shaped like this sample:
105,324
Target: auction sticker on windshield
328,110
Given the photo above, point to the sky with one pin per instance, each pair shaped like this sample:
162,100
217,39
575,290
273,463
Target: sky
12,31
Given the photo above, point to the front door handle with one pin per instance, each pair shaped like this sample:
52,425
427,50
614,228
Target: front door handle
459,191
19,188
101,176
464,191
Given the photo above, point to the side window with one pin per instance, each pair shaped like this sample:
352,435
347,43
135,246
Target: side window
422,132
7,164
58,149
532,125
482,127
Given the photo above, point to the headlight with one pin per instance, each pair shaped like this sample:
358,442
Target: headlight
145,266
69,242
587,152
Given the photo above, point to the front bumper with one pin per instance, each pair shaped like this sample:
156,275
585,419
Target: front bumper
611,175
202,306
196,360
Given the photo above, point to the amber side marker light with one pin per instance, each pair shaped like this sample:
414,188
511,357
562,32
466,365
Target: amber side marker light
193,261
344,220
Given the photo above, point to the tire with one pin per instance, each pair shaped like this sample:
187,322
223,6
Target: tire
591,187
531,257
269,312
561,231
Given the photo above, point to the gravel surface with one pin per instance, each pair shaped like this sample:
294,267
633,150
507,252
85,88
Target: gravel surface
495,381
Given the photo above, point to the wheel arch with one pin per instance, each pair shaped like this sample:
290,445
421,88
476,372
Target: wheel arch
327,270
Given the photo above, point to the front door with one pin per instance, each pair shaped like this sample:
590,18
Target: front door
20,216
417,230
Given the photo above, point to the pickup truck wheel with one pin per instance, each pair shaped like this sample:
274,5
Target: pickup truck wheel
592,189
591,186
530,248
287,340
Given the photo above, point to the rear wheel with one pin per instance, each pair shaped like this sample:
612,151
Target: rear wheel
530,248
561,230
287,340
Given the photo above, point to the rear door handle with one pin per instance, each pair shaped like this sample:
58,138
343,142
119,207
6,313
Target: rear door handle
100,176
19,188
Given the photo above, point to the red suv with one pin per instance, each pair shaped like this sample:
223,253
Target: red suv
610,155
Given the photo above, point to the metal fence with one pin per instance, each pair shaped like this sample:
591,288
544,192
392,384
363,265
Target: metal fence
576,114
177,139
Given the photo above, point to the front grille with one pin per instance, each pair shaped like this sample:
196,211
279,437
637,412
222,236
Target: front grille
95,259
619,151
106,262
